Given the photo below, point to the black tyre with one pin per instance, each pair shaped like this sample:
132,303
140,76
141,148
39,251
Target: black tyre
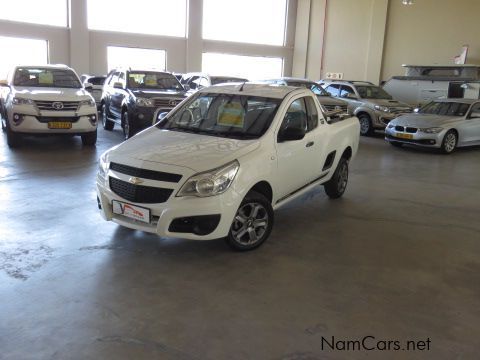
449,142
252,224
336,186
127,127
366,127
396,143
89,139
107,124
13,139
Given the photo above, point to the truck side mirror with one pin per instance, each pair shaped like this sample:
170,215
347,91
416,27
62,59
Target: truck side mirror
118,85
351,96
4,82
160,117
88,86
291,134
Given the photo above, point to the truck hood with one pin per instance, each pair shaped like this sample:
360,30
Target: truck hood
51,94
328,100
424,120
193,151
158,93
388,103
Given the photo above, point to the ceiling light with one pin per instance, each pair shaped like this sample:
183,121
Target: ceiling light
407,2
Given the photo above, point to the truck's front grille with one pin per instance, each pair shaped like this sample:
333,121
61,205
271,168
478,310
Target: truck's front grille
57,105
139,193
166,102
335,107
145,173
47,119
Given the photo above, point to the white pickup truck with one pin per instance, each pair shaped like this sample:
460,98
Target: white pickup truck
222,161
47,99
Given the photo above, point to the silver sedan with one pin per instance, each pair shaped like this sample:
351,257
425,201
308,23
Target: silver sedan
445,124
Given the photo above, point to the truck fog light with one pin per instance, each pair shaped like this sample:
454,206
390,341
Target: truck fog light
204,186
93,119
17,119
141,116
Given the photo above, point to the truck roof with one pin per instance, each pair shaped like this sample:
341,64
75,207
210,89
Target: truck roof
252,89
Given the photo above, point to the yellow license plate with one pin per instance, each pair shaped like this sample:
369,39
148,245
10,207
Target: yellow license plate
404,136
59,125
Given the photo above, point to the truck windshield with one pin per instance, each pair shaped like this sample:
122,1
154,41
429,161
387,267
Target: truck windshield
46,77
224,115
445,108
154,81
373,92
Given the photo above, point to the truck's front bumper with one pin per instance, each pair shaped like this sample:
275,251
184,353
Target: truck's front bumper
164,219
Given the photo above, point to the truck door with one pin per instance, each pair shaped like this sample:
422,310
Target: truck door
298,160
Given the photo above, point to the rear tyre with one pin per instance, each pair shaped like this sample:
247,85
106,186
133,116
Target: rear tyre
89,139
366,127
336,186
128,130
107,124
13,139
252,224
449,142
396,143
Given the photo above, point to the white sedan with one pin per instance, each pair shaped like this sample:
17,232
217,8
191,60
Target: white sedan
444,124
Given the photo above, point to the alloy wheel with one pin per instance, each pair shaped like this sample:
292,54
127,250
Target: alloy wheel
250,223
450,142
343,177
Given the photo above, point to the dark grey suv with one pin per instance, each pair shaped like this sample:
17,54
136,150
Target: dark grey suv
134,98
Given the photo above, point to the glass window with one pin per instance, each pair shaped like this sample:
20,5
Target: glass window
295,117
334,90
157,17
248,21
317,89
312,114
373,92
153,80
248,67
46,77
48,12
445,108
475,111
347,90
135,58
27,51
224,115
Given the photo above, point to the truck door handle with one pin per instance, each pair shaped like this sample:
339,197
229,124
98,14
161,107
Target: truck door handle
310,143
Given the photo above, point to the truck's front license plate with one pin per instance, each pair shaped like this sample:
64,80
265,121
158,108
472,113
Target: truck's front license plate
131,211
59,125
404,136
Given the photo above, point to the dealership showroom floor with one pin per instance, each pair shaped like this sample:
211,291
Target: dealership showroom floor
395,258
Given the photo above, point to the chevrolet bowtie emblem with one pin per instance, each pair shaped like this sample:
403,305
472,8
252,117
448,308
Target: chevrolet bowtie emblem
135,181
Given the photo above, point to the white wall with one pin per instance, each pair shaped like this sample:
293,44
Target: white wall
86,50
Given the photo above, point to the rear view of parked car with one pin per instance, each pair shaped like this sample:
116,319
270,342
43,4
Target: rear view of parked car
48,99
198,81
94,85
134,98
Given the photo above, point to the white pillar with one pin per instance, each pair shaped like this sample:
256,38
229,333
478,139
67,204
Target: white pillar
79,37
194,43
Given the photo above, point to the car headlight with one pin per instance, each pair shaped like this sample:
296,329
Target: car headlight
382,108
21,101
103,164
144,102
89,102
390,126
210,183
432,130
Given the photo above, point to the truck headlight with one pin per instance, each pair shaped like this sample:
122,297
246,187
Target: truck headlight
89,102
103,164
382,108
432,130
210,183
144,102
22,101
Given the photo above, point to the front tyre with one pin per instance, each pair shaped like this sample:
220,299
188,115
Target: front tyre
106,123
13,139
366,127
252,224
336,186
127,127
89,139
449,142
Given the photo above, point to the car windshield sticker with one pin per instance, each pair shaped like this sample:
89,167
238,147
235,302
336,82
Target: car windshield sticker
45,78
231,114
151,80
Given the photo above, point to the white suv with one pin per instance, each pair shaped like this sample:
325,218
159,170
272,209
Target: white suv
46,100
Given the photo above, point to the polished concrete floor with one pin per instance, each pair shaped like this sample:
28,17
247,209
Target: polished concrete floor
397,258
